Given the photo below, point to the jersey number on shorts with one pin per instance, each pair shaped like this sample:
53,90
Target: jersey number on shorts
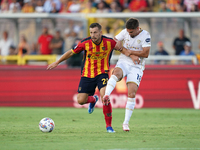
105,80
139,77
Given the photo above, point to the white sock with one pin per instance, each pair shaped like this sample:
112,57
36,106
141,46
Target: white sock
111,85
129,110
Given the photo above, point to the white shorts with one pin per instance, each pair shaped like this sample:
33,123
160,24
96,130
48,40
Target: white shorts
133,74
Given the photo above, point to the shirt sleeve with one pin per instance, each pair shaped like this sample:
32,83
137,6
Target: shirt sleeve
113,43
78,48
147,41
121,35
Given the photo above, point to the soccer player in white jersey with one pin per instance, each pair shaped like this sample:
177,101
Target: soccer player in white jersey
138,43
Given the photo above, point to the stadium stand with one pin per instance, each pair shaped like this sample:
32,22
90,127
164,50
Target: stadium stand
28,17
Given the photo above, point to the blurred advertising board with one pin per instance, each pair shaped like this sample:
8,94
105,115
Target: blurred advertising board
162,86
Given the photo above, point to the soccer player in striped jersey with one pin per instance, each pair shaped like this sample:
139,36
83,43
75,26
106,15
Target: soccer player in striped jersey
94,71
136,42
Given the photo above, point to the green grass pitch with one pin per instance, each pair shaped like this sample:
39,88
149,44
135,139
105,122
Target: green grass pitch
75,129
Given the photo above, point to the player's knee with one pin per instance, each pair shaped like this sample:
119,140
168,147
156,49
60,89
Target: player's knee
80,100
118,73
131,95
118,76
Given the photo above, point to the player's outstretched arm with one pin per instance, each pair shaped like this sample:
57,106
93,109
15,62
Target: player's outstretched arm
65,56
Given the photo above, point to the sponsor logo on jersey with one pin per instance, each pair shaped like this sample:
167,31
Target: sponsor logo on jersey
95,57
138,41
148,40
135,47
97,53
91,48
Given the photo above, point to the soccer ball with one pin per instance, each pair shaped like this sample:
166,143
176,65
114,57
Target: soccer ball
46,125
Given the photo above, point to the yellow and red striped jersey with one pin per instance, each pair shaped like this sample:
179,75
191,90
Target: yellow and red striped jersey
96,59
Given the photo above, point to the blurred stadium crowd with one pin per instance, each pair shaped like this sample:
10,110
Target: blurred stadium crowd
98,6
66,38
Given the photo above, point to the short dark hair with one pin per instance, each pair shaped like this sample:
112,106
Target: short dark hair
93,25
132,23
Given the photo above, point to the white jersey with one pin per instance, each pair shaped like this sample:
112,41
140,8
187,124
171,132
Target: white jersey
143,39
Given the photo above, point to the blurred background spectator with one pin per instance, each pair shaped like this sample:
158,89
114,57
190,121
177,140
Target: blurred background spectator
71,33
190,5
187,51
5,44
88,7
125,5
150,5
70,36
75,60
15,6
53,6
179,8
34,49
39,6
23,47
28,7
44,41
163,7
117,26
101,7
160,51
172,4
75,6
138,6
179,42
108,33
115,7
5,6
12,50
110,26
65,6
54,9
57,43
